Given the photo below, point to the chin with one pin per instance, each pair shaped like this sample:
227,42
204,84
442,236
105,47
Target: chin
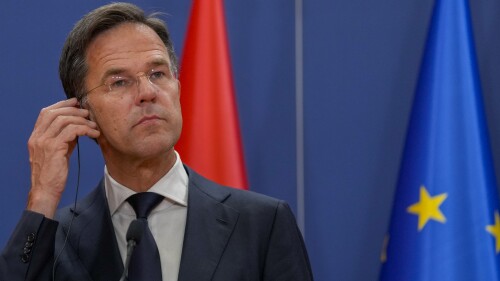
151,147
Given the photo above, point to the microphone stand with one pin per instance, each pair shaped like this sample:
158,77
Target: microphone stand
130,248
134,235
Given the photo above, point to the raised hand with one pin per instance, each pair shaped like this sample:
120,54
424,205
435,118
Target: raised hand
50,146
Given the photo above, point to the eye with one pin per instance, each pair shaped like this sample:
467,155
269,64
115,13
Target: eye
160,74
157,76
119,83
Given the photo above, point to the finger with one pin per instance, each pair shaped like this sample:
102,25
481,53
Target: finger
73,102
62,121
64,103
66,124
48,115
72,131
63,142
68,134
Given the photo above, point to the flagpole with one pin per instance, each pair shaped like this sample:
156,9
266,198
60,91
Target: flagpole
299,114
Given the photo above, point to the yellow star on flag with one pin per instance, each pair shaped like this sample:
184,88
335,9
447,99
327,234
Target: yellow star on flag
428,208
495,231
383,254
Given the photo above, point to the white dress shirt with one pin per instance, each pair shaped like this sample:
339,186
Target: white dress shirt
167,221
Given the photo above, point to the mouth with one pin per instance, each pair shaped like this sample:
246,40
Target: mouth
148,119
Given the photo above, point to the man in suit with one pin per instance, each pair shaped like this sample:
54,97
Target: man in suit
119,71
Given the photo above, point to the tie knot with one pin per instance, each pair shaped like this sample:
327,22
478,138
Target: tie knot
144,202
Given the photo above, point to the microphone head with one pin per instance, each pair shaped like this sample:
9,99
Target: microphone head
135,231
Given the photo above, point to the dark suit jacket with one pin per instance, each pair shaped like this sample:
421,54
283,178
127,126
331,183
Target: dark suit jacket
230,235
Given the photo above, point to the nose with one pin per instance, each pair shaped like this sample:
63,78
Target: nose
146,91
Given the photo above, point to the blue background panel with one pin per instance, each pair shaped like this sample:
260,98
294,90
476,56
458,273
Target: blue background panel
361,61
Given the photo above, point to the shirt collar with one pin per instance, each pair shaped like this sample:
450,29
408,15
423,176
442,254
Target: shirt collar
173,185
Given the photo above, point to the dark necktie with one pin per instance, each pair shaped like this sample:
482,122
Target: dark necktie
145,260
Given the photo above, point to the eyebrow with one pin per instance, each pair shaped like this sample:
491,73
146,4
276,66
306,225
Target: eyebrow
112,72
118,70
158,62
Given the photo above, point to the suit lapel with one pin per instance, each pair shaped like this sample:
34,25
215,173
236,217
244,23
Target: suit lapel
93,237
209,226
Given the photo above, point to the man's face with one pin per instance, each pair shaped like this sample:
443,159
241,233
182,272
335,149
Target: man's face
145,121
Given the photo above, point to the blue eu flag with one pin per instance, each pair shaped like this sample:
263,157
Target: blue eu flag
445,222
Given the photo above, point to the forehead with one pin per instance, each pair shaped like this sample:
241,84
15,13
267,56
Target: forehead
124,46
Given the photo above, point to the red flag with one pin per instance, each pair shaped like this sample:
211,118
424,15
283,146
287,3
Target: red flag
210,142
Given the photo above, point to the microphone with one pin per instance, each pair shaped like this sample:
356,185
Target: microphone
134,235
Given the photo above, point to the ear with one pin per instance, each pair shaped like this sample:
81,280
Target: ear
85,104
91,117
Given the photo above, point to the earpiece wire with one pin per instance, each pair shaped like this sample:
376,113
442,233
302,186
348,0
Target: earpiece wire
73,213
